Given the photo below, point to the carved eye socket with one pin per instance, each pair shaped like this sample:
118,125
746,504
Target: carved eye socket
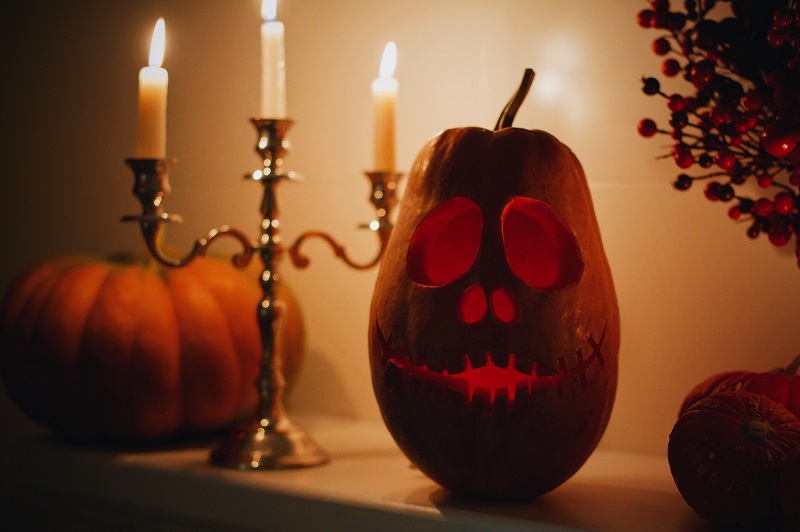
445,243
541,250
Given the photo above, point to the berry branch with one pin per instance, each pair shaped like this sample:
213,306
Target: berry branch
740,121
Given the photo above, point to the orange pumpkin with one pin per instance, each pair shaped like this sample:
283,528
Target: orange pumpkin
494,327
120,350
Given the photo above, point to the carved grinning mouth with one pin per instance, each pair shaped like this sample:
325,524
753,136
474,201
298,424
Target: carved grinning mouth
491,381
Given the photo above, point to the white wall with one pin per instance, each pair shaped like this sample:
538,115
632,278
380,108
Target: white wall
696,295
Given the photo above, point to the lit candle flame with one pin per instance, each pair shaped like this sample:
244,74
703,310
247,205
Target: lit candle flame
269,10
389,60
157,44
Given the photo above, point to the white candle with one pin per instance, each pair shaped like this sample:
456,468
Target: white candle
384,101
151,134
273,63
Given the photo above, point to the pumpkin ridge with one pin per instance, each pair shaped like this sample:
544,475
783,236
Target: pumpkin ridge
202,404
71,367
23,308
222,297
156,408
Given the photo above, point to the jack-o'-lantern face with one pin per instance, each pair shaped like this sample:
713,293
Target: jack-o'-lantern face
494,325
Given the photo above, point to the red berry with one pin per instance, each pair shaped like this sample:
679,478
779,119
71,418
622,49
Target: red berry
735,212
683,156
692,103
705,160
661,46
660,19
776,78
740,125
645,18
783,97
776,38
737,174
676,21
720,115
647,127
660,5
670,68
725,192
676,102
762,207
753,100
712,191
764,181
783,203
678,120
701,73
725,160
683,182
753,231
779,236
650,86
782,18
778,140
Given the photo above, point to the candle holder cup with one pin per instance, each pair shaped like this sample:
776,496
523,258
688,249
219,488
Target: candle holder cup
267,439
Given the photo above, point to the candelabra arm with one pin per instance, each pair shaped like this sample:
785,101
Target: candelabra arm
383,198
151,187
302,261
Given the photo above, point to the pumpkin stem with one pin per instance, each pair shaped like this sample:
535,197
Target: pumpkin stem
758,430
791,369
511,108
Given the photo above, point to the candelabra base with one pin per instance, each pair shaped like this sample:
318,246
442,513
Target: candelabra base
259,444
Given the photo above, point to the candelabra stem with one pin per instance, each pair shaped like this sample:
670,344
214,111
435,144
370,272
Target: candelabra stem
269,440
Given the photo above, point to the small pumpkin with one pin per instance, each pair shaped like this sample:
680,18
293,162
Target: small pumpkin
494,327
781,385
789,489
126,351
726,453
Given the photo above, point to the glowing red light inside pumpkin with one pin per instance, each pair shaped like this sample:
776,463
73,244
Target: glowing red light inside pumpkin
446,242
472,305
491,380
504,306
541,251
540,248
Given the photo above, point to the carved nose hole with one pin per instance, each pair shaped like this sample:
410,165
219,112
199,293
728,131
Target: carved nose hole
504,306
472,306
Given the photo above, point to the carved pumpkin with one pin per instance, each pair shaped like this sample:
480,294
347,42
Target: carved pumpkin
781,385
494,327
124,351
726,453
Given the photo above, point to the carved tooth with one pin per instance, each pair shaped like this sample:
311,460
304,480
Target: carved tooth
392,376
511,396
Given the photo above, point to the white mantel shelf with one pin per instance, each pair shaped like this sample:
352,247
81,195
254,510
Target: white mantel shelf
368,485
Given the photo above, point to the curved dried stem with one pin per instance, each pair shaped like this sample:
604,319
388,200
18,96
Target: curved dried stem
506,118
